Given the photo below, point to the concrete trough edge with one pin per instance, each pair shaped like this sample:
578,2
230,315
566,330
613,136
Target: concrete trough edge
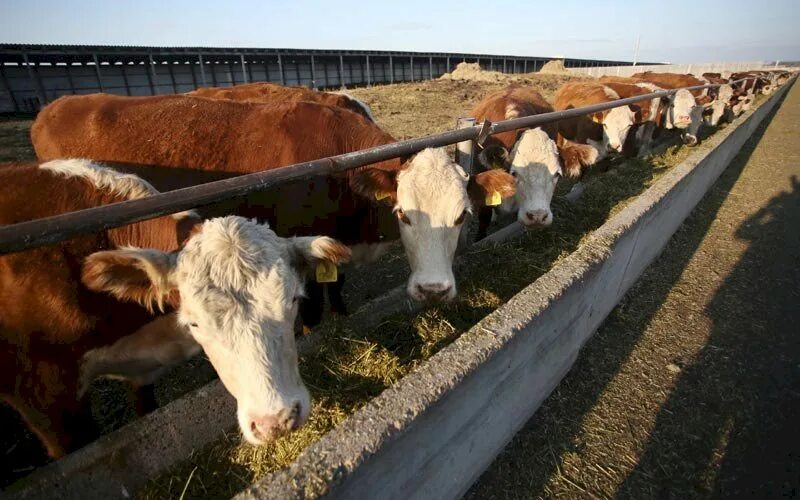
434,432
121,462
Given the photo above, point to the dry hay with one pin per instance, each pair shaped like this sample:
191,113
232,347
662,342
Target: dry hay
473,72
555,67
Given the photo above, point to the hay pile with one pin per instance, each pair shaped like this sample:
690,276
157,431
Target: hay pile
473,72
555,67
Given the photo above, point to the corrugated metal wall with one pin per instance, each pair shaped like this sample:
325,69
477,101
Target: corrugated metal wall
31,76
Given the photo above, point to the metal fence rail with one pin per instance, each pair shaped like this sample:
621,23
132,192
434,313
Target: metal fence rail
33,75
49,230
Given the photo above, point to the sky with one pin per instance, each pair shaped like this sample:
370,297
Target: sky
675,31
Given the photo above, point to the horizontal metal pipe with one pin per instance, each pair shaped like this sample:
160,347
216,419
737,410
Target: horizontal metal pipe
49,230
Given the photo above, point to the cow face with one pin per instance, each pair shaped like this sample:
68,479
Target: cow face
432,197
535,163
236,287
679,113
616,125
720,106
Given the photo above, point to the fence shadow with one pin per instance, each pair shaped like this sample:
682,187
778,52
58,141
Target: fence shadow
524,468
745,441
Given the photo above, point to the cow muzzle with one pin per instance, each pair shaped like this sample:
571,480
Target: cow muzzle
531,219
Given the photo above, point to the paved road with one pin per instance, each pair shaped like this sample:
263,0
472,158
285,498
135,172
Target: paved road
691,388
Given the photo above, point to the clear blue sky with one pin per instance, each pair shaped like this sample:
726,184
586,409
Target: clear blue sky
671,30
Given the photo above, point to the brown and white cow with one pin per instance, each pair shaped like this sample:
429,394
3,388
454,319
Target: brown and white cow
531,156
231,284
605,130
268,93
678,117
648,114
423,201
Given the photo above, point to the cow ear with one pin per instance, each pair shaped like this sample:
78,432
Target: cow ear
490,187
310,251
494,157
375,184
636,111
597,117
136,275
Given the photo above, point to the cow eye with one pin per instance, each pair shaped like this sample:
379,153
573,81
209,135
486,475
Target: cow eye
402,216
514,173
193,325
461,218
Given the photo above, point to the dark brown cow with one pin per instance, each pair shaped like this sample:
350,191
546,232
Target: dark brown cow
67,304
268,93
194,139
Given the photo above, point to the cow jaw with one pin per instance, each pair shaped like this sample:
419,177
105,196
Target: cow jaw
535,164
432,204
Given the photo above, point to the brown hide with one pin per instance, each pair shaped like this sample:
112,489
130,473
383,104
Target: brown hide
267,93
49,319
193,140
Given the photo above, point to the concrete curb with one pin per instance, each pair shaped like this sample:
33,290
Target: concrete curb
435,431
118,464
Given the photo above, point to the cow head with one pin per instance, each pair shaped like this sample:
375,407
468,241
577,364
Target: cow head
535,163
432,197
720,106
235,285
616,124
679,113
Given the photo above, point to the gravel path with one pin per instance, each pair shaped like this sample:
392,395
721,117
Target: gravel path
691,388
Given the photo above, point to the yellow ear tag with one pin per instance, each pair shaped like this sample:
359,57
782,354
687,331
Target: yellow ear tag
493,199
380,195
327,272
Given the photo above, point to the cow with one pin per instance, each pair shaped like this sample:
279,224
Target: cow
692,121
754,82
230,284
531,156
648,114
177,141
268,93
604,130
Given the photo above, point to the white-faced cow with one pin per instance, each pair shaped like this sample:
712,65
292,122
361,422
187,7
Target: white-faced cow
230,283
531,156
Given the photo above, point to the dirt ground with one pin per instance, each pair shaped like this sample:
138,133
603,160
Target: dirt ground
691,388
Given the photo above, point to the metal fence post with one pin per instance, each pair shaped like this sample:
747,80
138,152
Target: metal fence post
124,80
391,70
153,78
368,75
202,69
504,65
36,81
244,71
96,72
280,70
448,64
313,73
412,68
341,71
465,149
430,68
8,88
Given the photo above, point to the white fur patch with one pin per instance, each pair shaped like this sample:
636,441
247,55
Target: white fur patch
432,194
512,111
610,93
535,163
128,186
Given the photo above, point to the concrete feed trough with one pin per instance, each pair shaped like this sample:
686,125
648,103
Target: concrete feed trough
446,421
